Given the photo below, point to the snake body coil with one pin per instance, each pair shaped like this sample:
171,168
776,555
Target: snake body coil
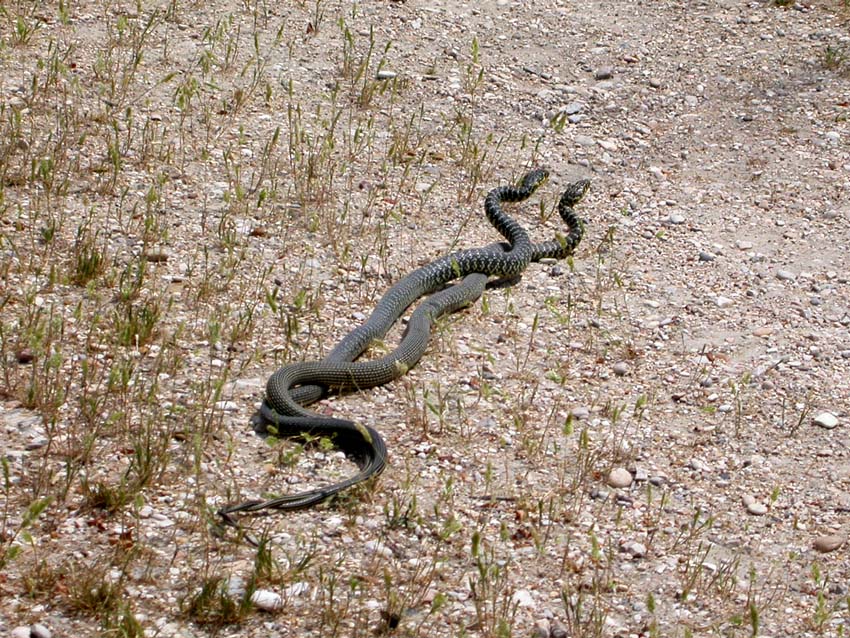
295,385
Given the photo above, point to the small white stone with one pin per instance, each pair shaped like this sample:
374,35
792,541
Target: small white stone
227,406
757,509
39,631
377,547
21,632
523,598
620,368
785,275
619,477
383,74
267,600
698,465
608,144
722,302
236,587
826,420
580,413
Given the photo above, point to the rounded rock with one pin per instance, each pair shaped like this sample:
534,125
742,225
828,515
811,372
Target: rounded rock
523,598
580,413
266,600
20,632
785,275
757,509
619,477
620,368
826,420
39,631
377,547
829,542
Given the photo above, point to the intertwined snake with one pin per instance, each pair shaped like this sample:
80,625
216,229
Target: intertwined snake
296,385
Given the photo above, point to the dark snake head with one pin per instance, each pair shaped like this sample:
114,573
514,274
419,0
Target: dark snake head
574,192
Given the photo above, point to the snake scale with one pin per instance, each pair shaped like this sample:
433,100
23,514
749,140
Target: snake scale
295,385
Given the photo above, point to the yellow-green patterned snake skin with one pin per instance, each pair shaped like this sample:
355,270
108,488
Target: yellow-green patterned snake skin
293,386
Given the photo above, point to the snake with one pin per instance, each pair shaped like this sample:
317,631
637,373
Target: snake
296,385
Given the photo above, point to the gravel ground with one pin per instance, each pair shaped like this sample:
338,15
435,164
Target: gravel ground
647,440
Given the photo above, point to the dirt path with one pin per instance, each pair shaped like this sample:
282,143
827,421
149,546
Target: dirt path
192,194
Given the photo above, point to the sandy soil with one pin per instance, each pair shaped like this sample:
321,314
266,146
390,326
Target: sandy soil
649,439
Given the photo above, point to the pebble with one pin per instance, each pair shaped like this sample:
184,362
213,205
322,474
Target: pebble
609,145
722,302
541,629
655,83
785,275
558,630
39,631
156,256
826,420
634,549
698,465
267,600
754,507
829,543
604,73
706,256
764,331
619,477
523,598
572,108
743,244
385,75
235,587
21,632
580,413
377,547
620,368
676,219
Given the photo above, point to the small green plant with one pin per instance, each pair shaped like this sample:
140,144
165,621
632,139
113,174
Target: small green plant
89,257
11,540
136,323
213,604
834,57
